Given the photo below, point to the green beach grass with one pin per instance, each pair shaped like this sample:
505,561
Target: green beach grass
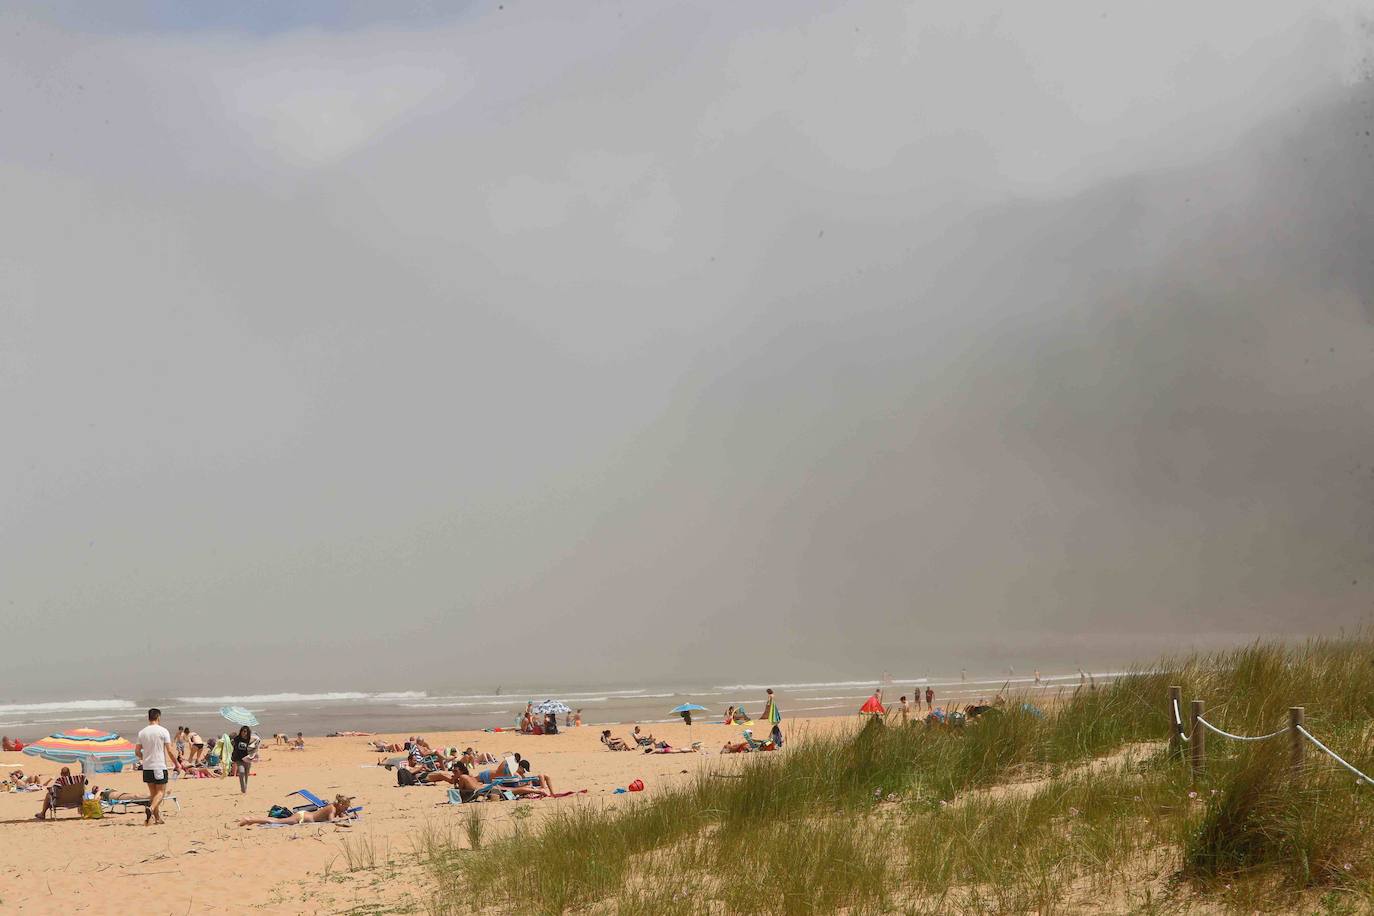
1078,810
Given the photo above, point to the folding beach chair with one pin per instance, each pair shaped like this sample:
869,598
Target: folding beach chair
68,796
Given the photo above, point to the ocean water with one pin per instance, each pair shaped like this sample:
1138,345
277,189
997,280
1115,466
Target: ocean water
412,711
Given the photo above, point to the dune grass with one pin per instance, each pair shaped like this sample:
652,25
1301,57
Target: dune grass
917,819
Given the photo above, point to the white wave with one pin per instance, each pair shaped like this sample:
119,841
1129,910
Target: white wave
898,682
806,685
523,696
459,703
66,706
263,698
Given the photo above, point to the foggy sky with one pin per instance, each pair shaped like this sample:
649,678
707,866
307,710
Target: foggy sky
625,340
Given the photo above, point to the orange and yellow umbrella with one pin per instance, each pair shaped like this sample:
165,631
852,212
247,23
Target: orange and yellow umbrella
82,744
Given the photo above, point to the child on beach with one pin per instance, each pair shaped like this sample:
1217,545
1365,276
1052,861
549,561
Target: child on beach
577,719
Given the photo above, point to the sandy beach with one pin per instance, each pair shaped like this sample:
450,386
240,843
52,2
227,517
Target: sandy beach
200,861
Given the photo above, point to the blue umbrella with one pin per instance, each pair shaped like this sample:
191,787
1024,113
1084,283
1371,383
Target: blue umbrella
238,715
689,708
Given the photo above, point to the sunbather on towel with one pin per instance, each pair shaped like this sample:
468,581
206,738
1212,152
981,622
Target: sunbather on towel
28,783
473,757
613,743
335,811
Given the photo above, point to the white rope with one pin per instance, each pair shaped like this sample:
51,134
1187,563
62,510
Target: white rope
1334,756
1178,720
1242,737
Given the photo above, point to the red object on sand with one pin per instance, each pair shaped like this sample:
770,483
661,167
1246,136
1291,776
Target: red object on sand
637,786
872,706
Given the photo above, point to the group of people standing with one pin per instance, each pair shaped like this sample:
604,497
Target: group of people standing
905,709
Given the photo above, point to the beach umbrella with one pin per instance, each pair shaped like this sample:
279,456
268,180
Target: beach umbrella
86,746
686,710
873,707
238,715
557,707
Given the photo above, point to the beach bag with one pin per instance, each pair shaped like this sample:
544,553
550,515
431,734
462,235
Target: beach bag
90,809
279,811
404,777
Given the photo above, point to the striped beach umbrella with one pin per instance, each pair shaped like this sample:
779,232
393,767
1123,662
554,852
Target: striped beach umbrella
83,746
238,715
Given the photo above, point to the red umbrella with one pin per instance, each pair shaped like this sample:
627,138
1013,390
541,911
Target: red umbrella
873,706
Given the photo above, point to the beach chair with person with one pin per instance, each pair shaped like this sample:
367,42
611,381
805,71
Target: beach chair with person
66,791
613,743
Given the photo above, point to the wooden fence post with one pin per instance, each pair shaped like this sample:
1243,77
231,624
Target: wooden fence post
1198,738
1175,728
1295,738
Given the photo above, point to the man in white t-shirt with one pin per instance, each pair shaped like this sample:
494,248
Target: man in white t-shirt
154,750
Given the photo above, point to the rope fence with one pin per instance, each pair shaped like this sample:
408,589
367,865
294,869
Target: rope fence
1295,729
1217,731
1332,754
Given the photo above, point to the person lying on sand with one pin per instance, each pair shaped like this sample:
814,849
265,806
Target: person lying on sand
467,784
28,782
473,757
613,743
336,811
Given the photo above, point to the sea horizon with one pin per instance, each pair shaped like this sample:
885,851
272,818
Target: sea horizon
319,713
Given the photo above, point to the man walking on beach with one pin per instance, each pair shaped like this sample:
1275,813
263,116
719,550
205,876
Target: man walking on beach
930,698
154,749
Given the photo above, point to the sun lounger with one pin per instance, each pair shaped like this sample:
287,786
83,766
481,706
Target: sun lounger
514,781
455,797
123,803
314,803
